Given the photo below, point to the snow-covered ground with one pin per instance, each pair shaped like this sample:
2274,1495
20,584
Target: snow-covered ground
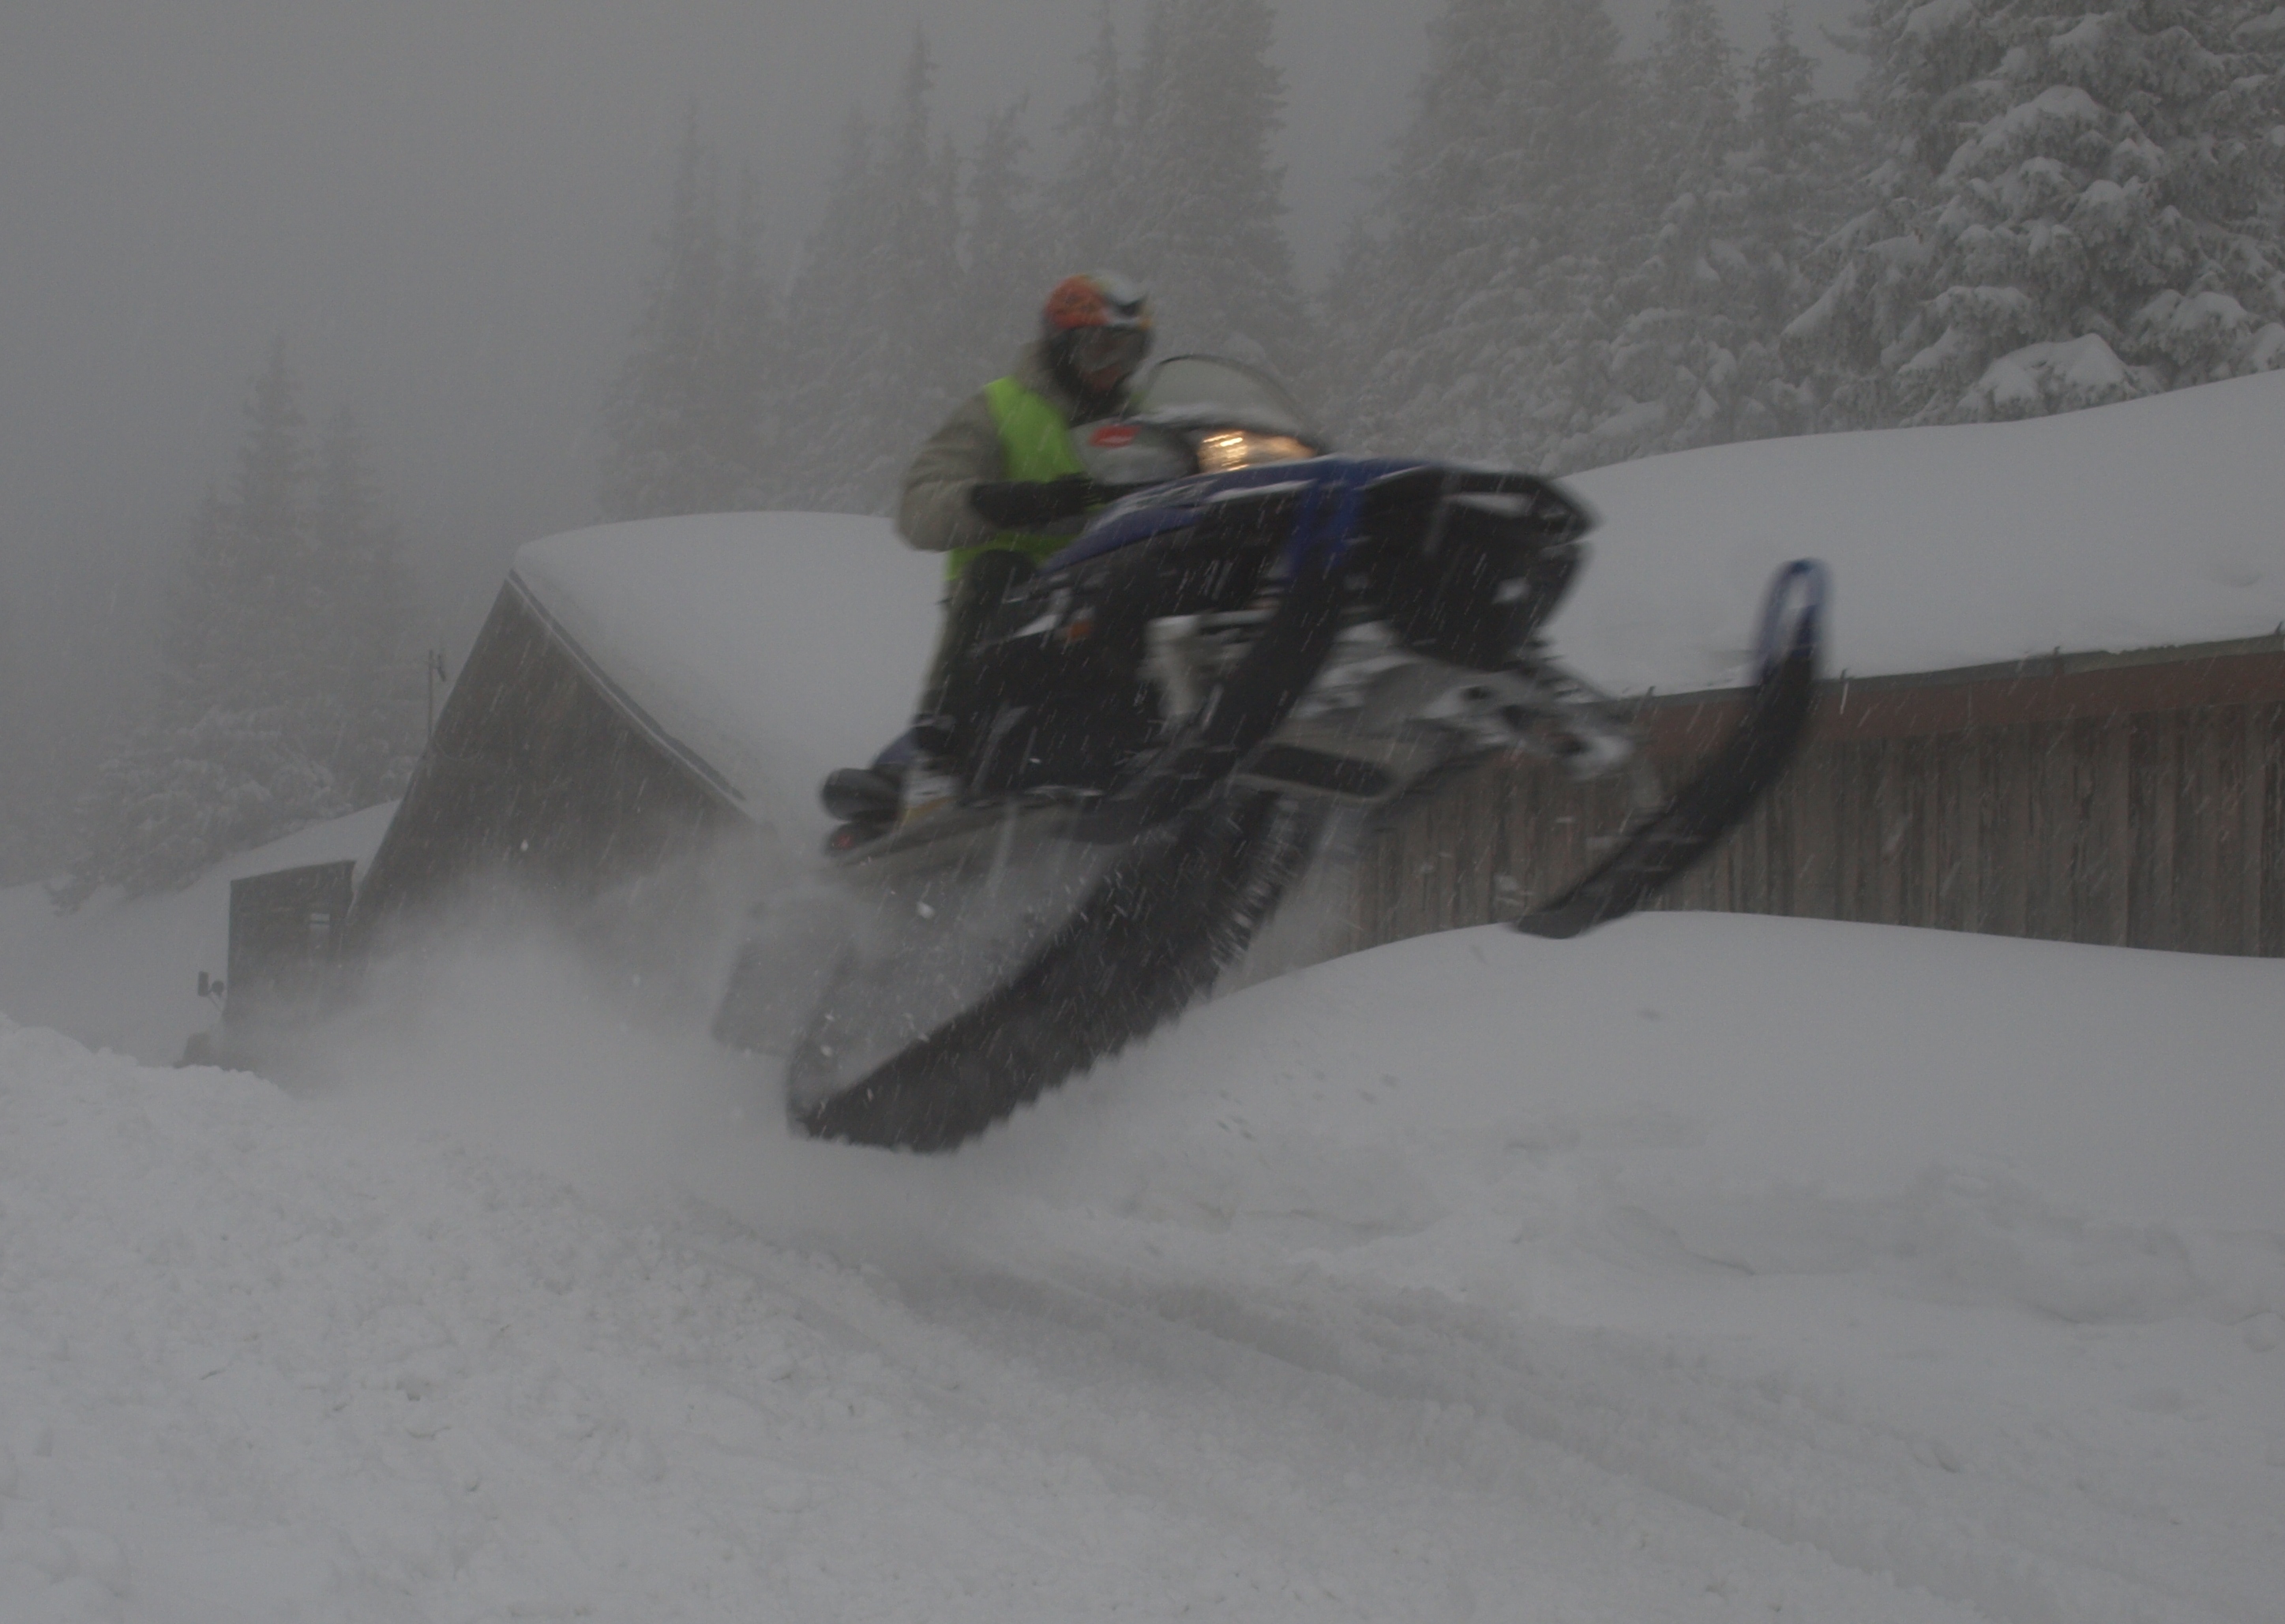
1709,1268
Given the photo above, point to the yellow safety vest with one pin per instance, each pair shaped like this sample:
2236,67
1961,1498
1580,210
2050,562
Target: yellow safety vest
1035,441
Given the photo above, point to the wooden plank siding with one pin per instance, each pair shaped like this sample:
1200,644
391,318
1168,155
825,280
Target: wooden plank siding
536,778
2134,800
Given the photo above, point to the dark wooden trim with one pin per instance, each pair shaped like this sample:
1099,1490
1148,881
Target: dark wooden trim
2134,800
2059,688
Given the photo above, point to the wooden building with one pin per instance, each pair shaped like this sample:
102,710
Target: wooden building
2130,799
543,774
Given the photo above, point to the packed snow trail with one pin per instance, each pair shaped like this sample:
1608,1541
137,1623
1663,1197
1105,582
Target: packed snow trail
1706,1268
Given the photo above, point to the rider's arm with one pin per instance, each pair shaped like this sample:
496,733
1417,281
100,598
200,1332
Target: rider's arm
933,513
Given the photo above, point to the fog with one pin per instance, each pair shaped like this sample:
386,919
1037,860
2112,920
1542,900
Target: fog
444,207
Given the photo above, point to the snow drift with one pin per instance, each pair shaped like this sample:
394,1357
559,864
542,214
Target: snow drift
1705,1269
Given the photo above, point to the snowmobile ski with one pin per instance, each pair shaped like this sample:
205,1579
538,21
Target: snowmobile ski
1663,846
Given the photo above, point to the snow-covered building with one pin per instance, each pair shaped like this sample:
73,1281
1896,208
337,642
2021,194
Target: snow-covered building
2058,709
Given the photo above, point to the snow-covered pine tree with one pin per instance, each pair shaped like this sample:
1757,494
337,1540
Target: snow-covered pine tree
1008,266
1084,216
220,764
2078,208
258,646
283,694
1465,308
1169,178
685,416
1802,177
1678,312
833,346
1203,202
874,315
1725,208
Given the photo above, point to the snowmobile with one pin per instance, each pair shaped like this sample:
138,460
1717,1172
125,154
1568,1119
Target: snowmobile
1250,635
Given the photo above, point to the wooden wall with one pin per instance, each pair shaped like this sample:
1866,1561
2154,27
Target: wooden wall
535,777
2134,800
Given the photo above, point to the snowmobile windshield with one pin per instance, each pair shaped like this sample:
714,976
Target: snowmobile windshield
1197,414
1207,392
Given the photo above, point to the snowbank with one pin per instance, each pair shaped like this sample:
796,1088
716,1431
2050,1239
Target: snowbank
2150,523
1706,1268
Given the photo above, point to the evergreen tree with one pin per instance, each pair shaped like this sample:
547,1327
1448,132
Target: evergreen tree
1465,305
745,415
1170,179
687,417
1009,264
1678,314
284,695
2080,206
1802,172
874,318
1203,203
1086,212
220,764
835,348
1728,206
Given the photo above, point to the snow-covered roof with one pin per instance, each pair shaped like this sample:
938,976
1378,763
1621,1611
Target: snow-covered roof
775,646
2151,522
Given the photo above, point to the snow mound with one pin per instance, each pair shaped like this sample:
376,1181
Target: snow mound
1984,1119
1708,1268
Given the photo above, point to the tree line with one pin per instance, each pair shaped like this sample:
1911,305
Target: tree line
288,684
1571,258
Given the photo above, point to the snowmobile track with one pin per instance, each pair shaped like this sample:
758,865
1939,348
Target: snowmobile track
1149,939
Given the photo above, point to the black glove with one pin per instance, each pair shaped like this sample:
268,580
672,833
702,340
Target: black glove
1029,503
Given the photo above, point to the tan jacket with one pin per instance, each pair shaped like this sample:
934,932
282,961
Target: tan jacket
933,513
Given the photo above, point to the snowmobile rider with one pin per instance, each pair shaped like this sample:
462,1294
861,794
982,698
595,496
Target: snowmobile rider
998,489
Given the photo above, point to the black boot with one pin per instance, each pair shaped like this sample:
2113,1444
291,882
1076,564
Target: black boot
861,795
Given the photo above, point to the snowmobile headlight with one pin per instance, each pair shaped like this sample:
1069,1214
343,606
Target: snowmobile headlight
1243,448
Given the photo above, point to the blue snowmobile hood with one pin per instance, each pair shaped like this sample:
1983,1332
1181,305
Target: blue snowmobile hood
1335,482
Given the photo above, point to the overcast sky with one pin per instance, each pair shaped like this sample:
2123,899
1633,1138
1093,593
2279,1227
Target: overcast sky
443,206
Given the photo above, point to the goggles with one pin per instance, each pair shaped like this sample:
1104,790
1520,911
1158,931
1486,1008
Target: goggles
1094,350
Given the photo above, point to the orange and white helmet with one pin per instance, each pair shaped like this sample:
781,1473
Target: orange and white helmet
1098,321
